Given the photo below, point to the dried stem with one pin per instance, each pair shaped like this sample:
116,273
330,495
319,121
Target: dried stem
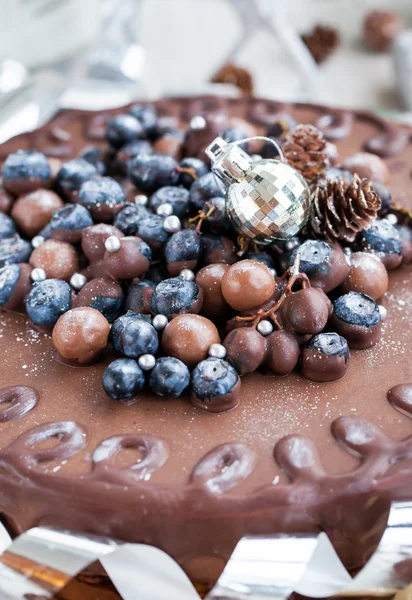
200,217
190,170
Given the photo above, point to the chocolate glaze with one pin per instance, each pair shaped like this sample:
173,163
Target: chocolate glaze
341,450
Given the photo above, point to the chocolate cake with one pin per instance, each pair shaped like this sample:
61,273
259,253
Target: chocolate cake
294,456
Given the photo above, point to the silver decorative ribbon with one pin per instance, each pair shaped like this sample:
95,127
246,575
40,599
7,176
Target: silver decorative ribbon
40,562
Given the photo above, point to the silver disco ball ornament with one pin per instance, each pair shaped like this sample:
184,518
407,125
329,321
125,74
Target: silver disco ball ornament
267,200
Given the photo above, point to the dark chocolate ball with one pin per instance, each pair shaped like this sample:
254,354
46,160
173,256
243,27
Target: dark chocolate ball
325,357
94,237
58,259
33,211
247,284
282,352
357,318
215,386
15,284
367,275
104,295
81,335
209,279
246,349
139,296
324,264
183,251
6,200
189,337
306,311
131,260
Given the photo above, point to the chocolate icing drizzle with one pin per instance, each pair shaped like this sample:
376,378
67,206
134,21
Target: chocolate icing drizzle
22,400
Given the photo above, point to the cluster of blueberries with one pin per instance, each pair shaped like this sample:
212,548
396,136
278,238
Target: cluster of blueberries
168,193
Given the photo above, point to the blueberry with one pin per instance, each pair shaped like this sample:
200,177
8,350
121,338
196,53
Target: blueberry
177,197
357,309
123,379
47,301
45,232
28,168
96,157
281,125
134,335
129,151
14,250
213,377
9,276
385,197
314,257
7,226
382,236
197,167
147,117
138,296
203,189
218,221
151,230
70,218
330,344
102,191
262,257
234,134
183,247
73,173
122,129
128,219
169,377
335,173
109,306
174,296
151,172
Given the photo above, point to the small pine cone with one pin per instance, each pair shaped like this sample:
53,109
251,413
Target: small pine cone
340,210
321,42
305,149
235,75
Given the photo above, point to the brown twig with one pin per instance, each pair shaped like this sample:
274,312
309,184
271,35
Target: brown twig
190,170
200,217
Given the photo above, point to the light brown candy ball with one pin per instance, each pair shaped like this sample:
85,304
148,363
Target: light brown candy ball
209,279
81,335
130,261
367,275
58,259
94,237
33,211
247,284
368,166
189,337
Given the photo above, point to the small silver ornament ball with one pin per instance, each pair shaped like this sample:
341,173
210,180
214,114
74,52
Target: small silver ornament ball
112,244
146,362
197,122
393,219
38,274
37,241
172,224
265,327
141,199
383,312
160,322
217,351
165,210
187,274
78,281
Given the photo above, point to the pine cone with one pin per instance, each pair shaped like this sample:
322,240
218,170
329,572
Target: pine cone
235,75
341,210
321,42
305,149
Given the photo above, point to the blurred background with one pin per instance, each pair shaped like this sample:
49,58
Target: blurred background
97,53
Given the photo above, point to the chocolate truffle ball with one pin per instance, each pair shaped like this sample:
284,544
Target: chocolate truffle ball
81,335
306,311
94,237
15,284
215,386
245,349
218,249
380,29
282,352
367,275
33,211
131,260
58,259
247,284
357,318
188,337
170,143
325,264
202,131
6,200
325,357
209,279
368,166
104,295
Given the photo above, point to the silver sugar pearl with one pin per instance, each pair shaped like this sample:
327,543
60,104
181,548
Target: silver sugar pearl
146,362
141,199
265,327
78,281
172,224
273,272
187,274
197,122
393,219
159,322
165,210
383,312
37,241
112,244
217,351
38,274
291,244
